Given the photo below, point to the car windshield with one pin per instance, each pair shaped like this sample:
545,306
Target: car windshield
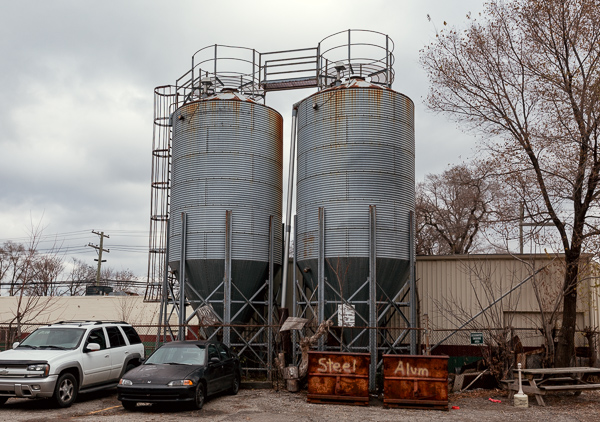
53,338
178,355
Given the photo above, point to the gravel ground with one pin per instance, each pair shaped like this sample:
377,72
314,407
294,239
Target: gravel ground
276,406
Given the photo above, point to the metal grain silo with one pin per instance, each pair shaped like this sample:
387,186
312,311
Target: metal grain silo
226,155
356,148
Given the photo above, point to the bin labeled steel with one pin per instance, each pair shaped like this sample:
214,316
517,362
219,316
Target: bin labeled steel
415,381
340,378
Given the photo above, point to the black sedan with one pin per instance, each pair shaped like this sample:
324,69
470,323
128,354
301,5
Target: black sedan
181,371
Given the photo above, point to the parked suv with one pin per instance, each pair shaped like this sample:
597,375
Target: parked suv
60,360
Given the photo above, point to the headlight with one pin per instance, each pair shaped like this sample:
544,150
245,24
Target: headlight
123,381
177,383
44,369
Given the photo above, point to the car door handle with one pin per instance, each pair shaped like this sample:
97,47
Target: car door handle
106,356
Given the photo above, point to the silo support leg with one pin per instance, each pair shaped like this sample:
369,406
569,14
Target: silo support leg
227,280
321,275
295,284
270,348
372,295
182,260
413,289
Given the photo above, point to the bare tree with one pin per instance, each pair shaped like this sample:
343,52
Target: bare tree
45,271
12,257
30,307
81,275
450,209
528,75
121,281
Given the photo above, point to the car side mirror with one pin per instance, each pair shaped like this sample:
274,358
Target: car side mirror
16,344
92,347
215,359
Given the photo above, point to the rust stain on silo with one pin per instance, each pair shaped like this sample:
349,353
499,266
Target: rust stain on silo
309,244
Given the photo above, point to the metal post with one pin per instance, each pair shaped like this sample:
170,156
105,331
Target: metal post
295,284
388,74
413,288
319,84
288,213
254,72
321,276
227,280
270,348
215,67
164,297
521,221
372,295
349,53
182,259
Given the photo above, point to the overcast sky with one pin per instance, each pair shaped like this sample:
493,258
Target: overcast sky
76,100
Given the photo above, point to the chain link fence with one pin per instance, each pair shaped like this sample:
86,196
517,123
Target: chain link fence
462,346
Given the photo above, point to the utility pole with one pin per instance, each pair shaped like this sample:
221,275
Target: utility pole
100,249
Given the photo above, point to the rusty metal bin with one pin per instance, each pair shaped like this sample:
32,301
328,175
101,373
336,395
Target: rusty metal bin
415,381
340,378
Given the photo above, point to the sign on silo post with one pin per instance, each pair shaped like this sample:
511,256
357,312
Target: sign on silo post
346,315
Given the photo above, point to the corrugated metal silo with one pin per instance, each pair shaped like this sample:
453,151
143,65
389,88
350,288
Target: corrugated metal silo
227,155
356,148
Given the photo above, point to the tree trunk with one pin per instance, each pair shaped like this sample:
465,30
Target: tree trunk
565,349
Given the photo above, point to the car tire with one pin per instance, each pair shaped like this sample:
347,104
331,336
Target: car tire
3,400
235,386
65,391
129,405
200,396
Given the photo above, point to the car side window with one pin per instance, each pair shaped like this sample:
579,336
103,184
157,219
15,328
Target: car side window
212,352
115,337
97,336
223,351
131,334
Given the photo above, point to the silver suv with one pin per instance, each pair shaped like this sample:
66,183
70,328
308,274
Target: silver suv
60,360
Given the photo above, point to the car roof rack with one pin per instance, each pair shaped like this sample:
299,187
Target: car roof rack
87,322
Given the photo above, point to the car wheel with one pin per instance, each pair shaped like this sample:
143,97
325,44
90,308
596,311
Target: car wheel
235,385
129,405
65,391
200,396
3,400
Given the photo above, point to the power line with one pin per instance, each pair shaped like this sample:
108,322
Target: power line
78,282
79,234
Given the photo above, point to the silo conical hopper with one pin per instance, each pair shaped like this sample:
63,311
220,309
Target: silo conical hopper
227,155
